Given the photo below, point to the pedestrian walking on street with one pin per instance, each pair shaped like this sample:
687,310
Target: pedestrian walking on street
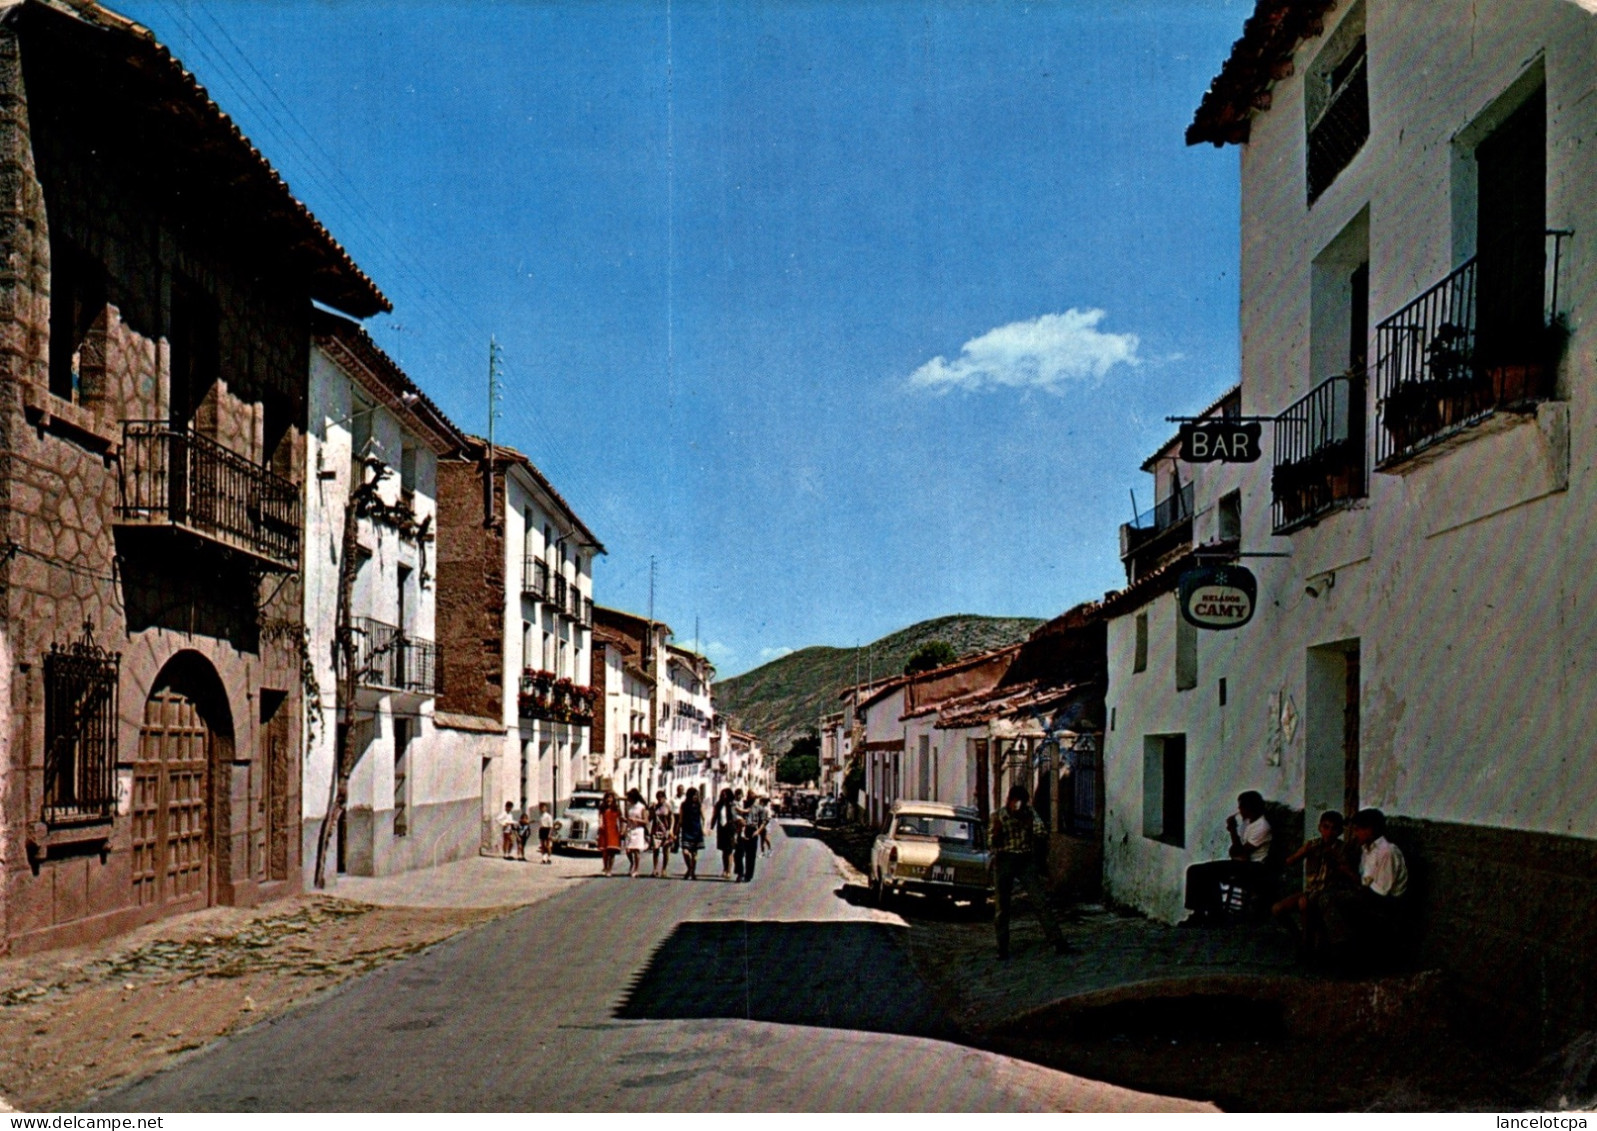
546,832
723,822
637,831
609,830
690,832
752,821
507,830
662,831
1019,838
765,829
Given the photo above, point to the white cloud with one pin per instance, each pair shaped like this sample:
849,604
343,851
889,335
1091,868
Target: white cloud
719,653
769,654
1044,353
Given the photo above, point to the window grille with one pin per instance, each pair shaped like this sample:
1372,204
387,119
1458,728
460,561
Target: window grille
80,724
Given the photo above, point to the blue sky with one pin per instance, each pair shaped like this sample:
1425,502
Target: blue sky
848,314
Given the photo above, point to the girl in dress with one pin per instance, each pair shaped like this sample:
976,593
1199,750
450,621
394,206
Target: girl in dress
637,831
724,824
609,829
690,823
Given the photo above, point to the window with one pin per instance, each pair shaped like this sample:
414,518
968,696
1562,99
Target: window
1164,788
1186,654
1337,104
80,724
1230,517
1139,659
407,469
77,323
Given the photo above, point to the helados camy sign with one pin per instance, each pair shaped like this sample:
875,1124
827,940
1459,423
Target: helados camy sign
1218,596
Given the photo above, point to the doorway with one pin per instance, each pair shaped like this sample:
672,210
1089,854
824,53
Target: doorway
175,824
1331,731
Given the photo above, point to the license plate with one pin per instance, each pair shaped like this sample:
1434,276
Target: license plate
942,872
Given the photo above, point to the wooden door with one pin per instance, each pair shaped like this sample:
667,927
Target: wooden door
171,816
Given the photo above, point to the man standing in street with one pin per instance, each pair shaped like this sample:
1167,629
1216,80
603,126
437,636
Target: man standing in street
1018,839
754,821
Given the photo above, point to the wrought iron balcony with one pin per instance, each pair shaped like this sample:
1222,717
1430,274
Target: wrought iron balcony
174,476
1487,337
558,599
542,696
1155,530
1319,452
389,660
535,579
584,610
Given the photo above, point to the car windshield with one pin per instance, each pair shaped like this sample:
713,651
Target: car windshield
583,803
948,830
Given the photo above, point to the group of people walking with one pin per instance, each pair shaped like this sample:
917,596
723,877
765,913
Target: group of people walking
741,825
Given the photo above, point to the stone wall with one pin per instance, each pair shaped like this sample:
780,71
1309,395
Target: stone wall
166,602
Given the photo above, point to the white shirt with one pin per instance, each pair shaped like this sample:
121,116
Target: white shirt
1382,868
507,821
546,821
1255,836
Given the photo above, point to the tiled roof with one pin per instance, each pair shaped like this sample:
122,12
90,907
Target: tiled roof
336,333
477,448
1163,579
1022,699
90,32
1261,57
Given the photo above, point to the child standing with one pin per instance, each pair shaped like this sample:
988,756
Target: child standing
507,830
546,832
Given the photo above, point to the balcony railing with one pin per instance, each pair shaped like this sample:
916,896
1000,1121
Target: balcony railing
535,579
387,659
558,599
543,696
585,611
1319,452
175,476
1486,337
1174,508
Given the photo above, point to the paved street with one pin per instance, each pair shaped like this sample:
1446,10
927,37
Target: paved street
635,995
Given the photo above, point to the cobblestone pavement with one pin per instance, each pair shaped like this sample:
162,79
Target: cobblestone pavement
83,1018
636,995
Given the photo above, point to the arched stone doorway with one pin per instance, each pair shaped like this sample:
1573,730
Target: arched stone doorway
179,813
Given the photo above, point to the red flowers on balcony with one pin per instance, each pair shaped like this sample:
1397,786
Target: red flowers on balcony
555,699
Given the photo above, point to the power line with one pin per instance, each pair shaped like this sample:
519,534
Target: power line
453,323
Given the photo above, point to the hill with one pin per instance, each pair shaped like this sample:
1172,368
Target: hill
780,700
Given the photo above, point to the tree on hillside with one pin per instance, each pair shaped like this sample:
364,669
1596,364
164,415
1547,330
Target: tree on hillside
802,762
932,654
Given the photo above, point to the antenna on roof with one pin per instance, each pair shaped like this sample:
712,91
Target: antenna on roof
496,392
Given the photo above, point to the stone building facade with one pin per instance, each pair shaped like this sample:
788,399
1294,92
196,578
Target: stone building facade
154,328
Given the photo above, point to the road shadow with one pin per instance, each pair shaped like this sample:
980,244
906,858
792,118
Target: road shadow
849,975
917,907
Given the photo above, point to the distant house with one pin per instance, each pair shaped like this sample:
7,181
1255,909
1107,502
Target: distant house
156,309
627,661
515,614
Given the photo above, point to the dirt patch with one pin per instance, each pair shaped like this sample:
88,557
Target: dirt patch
76,1021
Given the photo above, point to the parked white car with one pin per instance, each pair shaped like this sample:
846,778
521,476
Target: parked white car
579,822
931,849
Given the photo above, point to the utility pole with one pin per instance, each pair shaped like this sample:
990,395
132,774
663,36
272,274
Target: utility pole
495,395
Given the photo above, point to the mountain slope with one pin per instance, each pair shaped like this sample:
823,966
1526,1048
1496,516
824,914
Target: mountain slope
780,700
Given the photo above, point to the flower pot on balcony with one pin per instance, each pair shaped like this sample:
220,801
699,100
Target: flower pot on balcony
1512,384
